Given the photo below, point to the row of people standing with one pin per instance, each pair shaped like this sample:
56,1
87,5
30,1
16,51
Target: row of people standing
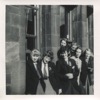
40,74
84,63
68,76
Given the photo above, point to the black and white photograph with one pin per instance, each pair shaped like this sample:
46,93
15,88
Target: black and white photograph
49,49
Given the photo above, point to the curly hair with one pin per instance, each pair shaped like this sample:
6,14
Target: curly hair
49,53
61,51
35,52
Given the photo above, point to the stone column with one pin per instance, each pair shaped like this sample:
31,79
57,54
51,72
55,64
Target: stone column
80,26
51,29
45,32
40,28
84,27
55,29
90,32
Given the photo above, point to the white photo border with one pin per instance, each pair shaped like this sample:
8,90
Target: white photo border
96,24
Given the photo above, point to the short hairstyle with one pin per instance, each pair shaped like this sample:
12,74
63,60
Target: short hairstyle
61,51
35,52
79,48
49,53
64,39
74,43
87,50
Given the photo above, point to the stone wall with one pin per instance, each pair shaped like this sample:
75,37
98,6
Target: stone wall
51,29
79,28
15,49
50,19
82,26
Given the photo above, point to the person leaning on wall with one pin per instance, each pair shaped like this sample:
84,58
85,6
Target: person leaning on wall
34,78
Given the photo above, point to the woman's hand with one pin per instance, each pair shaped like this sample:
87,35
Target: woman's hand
59,91
90,69
69,75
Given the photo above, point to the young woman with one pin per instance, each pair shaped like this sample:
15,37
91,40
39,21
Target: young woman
76,58
72,51
67,72
78,62
63,44
48,72
34,80
87,71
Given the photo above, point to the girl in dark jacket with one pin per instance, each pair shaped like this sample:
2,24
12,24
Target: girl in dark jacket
87,71
67,73
34,79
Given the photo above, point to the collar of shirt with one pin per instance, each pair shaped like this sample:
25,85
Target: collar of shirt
42,68
35,65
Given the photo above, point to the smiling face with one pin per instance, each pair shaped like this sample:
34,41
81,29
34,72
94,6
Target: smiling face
64,55
87,54
63,43
78,53
35,54
46,59
73,47
34,57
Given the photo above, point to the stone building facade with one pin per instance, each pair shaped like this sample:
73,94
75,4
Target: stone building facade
42,27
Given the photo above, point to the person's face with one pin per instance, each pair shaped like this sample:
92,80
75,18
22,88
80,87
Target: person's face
78,53
87,54
34,57
73,47
63,43
46,59
69,44
64,55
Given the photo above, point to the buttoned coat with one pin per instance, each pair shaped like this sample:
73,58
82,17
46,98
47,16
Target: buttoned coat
32,78
68,86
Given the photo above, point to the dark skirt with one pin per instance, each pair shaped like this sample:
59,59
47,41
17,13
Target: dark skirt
71,87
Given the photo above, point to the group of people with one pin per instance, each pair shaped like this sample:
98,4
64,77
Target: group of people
72,73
